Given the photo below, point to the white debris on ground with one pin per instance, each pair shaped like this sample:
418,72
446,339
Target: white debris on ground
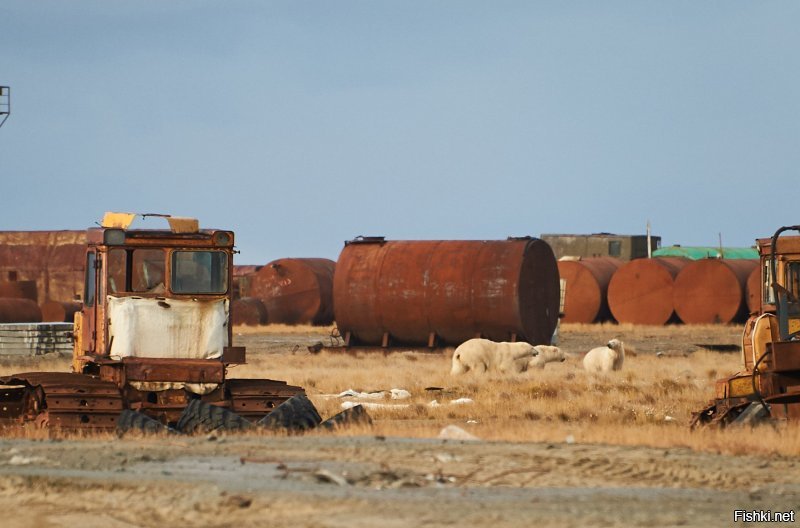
462,401
350,393
434,403
20,460
371,405
453,432
569,439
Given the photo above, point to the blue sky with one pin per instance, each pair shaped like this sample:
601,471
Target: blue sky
302,124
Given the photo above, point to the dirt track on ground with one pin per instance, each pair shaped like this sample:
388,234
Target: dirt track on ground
367,481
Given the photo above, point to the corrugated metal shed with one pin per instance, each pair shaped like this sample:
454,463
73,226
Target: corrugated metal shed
698,252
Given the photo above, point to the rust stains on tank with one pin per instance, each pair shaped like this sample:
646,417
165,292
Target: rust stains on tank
587,288
712,290
19,311
295,290
445,292
641,291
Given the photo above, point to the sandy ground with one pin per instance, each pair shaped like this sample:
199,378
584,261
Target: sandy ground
335,480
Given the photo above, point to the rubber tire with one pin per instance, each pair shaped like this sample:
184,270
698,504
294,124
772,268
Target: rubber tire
132,421
354,415
295,414
202,417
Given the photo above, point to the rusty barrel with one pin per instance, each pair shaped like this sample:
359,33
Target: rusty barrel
59,312
753,290
445,292
296,290
587,288
19,311
712,290
248,311
14,289
641,291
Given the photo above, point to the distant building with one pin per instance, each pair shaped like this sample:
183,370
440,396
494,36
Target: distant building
624,247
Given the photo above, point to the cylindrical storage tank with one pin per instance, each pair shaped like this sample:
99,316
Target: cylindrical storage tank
19,311
296,290
587,288
446,292
641,291
59,312
753,290
18,290
712,290
248,311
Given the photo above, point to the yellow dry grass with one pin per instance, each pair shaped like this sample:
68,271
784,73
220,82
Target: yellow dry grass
648,403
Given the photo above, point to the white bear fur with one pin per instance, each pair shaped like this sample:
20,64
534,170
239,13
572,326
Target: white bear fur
606,358
482,355
546,354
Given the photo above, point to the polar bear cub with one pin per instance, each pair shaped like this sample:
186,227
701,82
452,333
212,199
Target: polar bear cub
546,354
606,358
482,355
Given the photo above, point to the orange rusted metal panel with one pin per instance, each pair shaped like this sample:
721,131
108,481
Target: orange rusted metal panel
18,289
587,288
248,311
712,290
446,292
641,291
60,312
53,259
753,290
295,290
19,311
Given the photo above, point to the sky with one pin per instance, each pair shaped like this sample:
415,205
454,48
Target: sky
300,124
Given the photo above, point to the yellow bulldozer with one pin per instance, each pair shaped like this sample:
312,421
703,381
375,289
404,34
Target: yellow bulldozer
768,386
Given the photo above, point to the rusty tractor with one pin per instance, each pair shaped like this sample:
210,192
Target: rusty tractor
153,340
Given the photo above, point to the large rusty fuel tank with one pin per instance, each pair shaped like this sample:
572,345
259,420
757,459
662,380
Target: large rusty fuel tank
295,290
587,287
19,311
712,290
445,292
641,291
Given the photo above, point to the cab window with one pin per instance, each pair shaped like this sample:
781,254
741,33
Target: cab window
136,270
199,272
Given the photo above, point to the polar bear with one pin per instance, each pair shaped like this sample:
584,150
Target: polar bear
606,358
546,354
482,355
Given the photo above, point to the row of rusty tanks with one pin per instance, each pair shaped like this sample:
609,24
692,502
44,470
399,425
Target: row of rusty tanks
660,290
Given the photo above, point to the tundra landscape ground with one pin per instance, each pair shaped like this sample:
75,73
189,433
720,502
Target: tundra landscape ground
555,447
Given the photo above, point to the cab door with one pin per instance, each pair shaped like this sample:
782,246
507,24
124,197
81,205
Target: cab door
90,297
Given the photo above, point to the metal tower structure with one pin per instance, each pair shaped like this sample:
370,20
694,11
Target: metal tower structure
5,103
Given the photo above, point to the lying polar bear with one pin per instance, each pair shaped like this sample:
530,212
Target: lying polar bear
482,355
546,354
606,358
